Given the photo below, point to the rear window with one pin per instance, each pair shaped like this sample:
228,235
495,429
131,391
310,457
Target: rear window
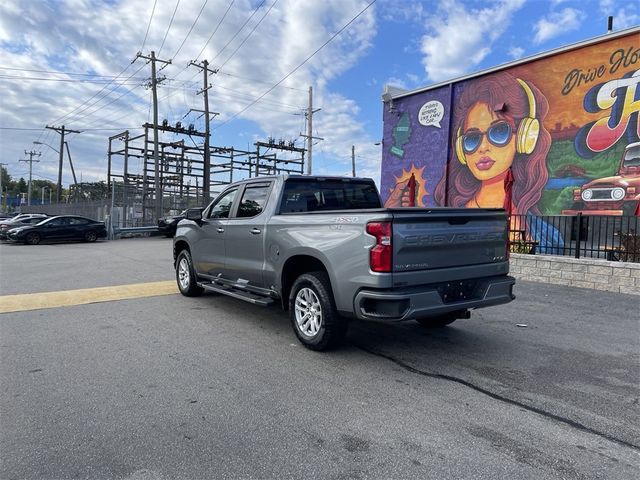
317,195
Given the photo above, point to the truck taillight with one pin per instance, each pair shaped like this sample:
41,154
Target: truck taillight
381,254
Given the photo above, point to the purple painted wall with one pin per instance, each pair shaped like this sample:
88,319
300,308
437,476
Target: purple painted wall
415,139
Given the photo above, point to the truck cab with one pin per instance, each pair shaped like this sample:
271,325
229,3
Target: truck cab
615,195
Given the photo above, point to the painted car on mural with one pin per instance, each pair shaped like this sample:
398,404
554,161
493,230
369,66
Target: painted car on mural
615,195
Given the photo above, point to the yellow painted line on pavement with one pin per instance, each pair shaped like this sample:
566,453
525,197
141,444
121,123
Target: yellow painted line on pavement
68,298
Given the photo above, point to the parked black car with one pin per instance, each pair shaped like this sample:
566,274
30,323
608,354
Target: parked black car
20,222
167,225
63,227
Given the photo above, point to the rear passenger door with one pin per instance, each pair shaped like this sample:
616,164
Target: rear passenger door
245,234
209,252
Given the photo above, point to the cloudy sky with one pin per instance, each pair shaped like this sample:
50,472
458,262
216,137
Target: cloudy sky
69,62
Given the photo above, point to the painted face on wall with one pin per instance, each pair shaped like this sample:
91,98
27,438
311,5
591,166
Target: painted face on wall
488,142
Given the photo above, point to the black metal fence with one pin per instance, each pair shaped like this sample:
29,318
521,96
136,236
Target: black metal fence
592,236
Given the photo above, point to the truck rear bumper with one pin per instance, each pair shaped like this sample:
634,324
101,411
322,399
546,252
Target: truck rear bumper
432,300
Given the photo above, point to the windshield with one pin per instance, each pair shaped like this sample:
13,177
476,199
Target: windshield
632,157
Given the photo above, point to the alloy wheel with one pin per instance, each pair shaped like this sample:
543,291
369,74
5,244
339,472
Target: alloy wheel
308,312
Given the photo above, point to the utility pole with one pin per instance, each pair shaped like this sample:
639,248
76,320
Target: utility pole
309,136
207,151
31,160
353,160
156,159
61,130
1,191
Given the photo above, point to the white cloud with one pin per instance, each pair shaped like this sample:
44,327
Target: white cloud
626,18
557,23
607,6
516,52
401,10
103,37
460,38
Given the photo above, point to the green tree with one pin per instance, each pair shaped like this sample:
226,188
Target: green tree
22,186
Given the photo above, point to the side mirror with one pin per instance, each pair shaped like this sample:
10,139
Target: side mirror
194,214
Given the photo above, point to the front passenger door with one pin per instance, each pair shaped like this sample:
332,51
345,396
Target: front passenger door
55,229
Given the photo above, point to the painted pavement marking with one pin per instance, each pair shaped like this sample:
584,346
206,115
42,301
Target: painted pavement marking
68,298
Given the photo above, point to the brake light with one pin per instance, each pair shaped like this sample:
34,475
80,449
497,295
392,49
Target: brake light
380,255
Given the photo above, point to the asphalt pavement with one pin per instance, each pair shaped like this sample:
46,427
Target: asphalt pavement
212,387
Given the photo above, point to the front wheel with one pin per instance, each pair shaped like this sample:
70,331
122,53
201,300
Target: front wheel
32,238
313,313
186,275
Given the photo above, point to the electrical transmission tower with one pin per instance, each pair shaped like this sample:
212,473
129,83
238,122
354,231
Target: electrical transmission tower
204,66
30,160
62,131
153,85
309,136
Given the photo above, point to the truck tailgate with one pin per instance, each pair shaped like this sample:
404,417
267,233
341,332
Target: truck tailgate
428,239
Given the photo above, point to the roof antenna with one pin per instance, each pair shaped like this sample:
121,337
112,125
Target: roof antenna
610,24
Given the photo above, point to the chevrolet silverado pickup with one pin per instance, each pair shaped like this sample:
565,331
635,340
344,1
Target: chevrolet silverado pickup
326,249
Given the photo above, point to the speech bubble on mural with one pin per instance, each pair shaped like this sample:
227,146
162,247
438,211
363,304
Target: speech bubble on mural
431,113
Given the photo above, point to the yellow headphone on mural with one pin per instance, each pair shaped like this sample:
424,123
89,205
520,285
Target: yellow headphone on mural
528,131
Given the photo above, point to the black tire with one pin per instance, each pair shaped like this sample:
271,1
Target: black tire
90,236
439,321
311,297
186,275
32,238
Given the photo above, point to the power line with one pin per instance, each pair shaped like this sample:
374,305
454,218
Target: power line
20,128
55,72
117,76
297,107
148,25
260,81
168,28
249,34
78,118
239,30
67,115
189,32
68,80
300,65
215,29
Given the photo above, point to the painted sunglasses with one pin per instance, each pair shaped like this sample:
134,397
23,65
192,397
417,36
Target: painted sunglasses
498,134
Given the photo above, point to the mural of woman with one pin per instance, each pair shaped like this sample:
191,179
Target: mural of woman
498,126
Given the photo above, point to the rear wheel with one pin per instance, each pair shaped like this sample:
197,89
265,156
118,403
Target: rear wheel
90,236
313,313
186,275
439,321
32,238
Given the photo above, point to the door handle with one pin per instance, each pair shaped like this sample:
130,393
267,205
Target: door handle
220,230
255,231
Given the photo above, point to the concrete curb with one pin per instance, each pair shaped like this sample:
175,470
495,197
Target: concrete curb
621,277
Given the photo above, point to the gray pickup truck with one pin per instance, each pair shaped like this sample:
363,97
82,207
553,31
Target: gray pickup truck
328,251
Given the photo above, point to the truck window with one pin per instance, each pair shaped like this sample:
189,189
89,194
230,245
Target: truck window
223,205
253,200
301,195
